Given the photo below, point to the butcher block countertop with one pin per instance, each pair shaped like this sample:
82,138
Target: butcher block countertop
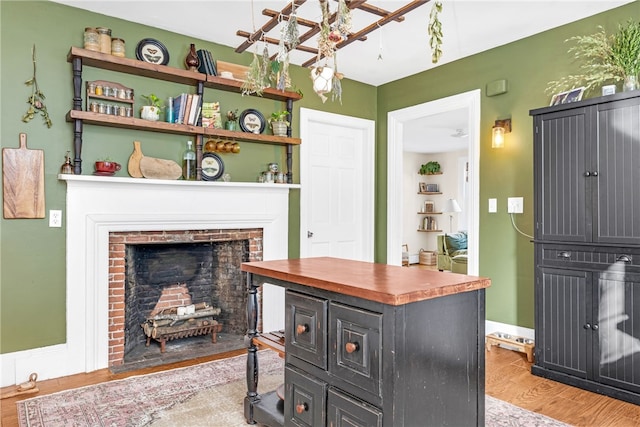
387,284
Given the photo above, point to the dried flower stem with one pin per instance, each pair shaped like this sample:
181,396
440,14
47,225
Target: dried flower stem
36,100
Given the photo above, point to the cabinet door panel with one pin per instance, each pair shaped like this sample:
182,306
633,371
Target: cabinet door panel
560,176
617,199
619,328
562,334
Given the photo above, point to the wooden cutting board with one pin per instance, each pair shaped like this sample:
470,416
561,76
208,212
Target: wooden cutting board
23,181
159,168
133,167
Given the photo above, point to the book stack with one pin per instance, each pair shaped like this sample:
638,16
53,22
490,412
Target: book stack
211,117
207,64
186,108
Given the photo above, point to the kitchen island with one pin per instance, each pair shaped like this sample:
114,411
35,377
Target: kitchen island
371,344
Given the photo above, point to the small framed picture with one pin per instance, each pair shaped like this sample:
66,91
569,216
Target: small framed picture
574,95
422,187
429,206
608,90
558,98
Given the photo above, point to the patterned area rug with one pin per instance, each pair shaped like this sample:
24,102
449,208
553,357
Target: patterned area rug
209,394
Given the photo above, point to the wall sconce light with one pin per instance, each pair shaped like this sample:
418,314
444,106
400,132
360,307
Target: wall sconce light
499,129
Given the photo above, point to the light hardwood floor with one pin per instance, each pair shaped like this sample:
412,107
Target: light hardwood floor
508,378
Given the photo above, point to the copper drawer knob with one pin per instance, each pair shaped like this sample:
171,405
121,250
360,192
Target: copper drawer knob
350,347
301,407
301,329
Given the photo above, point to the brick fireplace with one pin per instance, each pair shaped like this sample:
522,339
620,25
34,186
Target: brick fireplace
199,264
96,207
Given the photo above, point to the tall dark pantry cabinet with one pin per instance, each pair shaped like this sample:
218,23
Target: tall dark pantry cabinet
587,244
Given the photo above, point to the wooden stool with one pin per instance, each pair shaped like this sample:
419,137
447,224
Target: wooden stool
521,344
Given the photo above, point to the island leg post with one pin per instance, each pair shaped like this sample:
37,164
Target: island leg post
252,351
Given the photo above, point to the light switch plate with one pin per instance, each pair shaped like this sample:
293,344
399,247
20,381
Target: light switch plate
493,205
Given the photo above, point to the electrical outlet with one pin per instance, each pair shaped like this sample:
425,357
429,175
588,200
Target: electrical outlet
55,218
515,205
493,205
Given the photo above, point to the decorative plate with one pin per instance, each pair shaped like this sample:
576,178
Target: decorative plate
252,121
152,51
212,167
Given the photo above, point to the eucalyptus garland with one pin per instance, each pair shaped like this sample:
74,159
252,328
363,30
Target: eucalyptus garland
435,32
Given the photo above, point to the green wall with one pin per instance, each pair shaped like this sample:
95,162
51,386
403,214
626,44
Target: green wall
528,65
32,255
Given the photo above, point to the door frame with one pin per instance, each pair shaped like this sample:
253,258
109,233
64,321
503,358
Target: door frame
395,120
308,115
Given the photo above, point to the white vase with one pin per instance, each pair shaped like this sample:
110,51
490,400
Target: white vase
149,112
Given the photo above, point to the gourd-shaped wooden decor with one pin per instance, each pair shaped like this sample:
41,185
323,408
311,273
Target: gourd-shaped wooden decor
133,167
192,61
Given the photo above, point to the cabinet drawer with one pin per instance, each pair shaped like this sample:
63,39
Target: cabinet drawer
589,258
356,346
306,326
343,410
304,400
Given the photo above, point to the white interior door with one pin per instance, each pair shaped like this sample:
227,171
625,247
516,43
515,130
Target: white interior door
336,176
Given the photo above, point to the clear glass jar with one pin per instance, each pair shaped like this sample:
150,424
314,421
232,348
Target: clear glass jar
104,35
99,90
91,87
93,107
117,47
102,108
122,94
106,90
91,39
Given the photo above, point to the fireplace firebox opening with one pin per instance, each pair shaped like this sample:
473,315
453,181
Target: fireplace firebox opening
177,295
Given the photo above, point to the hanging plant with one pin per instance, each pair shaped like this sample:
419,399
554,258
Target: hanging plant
343,19
435,32
254,82
289,33
327,39
36,100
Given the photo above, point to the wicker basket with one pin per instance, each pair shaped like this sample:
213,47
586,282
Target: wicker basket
427,257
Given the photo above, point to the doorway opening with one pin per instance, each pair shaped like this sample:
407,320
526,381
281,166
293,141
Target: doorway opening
397,123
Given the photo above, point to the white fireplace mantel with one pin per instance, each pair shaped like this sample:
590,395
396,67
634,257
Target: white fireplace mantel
96,206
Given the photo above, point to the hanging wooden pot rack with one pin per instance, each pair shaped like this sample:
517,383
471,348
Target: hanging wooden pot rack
275,17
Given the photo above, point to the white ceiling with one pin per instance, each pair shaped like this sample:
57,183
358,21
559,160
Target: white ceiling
469,27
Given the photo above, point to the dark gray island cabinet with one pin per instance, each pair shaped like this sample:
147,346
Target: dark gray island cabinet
587,244
371,345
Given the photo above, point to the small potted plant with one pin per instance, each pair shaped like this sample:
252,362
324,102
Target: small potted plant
429,168
232,120
152,110
279,122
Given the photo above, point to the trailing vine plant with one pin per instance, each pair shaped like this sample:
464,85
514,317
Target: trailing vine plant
36,100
